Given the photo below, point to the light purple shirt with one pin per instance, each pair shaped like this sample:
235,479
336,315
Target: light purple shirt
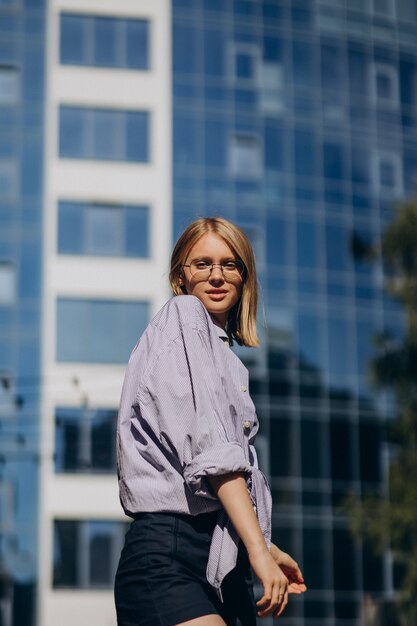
186,414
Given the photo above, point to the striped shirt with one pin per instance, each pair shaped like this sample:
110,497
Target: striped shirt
186,414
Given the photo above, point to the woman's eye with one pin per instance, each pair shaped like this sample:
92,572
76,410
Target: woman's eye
230,265
201,265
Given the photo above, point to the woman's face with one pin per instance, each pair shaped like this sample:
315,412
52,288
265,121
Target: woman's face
217,293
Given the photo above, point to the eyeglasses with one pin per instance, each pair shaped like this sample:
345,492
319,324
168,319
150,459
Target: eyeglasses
232,270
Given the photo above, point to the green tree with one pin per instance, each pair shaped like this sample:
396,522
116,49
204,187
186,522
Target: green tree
392,520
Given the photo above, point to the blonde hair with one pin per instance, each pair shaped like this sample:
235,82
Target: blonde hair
241,323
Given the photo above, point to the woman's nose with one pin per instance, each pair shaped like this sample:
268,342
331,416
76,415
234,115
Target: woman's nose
216,273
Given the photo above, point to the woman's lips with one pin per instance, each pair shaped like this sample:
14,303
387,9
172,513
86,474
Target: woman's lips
216,294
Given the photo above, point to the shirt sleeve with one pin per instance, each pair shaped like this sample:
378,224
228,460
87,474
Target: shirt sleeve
193,410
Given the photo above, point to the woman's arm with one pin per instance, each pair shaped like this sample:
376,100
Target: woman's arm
231,489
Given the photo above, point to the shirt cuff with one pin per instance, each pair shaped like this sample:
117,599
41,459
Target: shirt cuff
222,459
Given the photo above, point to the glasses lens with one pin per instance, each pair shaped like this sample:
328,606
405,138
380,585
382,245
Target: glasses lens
200,269
233,269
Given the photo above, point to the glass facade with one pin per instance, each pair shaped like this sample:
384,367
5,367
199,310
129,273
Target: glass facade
297,120
22,43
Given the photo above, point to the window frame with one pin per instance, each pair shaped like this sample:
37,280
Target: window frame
120,27
389,71
87,206
254,52
82,552
89,138
85,419
394,158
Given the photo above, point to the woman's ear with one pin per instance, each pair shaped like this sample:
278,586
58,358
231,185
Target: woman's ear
181,283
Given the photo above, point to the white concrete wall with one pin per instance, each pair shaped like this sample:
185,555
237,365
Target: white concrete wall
96,497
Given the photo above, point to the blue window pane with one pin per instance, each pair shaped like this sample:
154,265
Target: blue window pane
272,49
104,134
9,85
185,50
137,136
104,230
302,63
70,227
331,67
107,321
137,44
213,53
277,242
360,165
365,347
245,65
108,134
73,326
186,144
306,244
105,42
84,440
304,153
215,146
358,63
72,131
313,546
274,146
98,331
74,39
339,344
333,161
137,231
337,247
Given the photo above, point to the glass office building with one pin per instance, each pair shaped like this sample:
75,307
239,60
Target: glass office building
297,119
22,57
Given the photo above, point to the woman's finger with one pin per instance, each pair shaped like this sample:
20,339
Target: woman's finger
274,603
266,598
283,597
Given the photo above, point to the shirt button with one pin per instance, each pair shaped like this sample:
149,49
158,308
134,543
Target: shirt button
246,424
243,388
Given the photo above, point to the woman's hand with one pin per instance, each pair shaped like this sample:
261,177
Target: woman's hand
273,580
290,569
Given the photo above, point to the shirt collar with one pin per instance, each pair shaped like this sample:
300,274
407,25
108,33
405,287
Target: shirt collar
221,333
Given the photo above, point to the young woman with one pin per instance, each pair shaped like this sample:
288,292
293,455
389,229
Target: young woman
187,467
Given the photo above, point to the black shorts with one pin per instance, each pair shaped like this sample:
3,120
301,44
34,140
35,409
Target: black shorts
161,577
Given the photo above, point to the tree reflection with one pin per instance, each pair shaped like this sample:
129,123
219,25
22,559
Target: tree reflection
391,520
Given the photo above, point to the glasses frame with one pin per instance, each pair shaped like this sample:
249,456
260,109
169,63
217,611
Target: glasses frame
238,262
